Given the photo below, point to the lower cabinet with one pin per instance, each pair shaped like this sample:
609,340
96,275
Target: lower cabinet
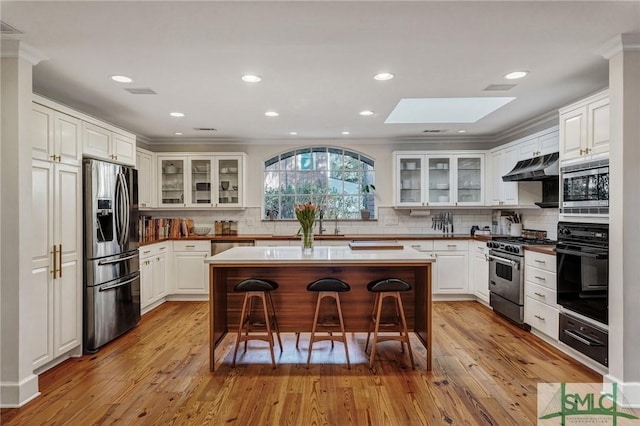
451,269
540,309
190,273
154,270
479,270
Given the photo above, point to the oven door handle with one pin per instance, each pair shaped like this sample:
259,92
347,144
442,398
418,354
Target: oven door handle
582,339
599,256
503,260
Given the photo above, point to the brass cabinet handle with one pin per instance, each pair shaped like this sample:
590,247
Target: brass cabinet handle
60,262
55,261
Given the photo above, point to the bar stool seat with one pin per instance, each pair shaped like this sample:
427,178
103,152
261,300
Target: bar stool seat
327,287
388,287
261,289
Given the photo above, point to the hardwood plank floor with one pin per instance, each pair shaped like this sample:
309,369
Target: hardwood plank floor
484,372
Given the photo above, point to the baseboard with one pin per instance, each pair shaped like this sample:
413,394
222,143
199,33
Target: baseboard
187,297
15,395
630,391
453,297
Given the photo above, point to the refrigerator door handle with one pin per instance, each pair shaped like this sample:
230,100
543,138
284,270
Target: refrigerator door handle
123,283
126,208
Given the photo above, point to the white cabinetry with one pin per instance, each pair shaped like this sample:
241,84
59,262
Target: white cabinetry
145,163
104,144
56,221
542,143
154,270
190,273
584,127
190,180
479,269
451,269
502,161
439,179
540,308
56,136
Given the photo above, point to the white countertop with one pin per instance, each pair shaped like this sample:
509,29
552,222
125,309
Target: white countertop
329,255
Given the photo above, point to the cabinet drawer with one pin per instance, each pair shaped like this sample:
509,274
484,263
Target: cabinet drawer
153,249
543,261
541,294
541,317
540,277
422,246
192,246
451,245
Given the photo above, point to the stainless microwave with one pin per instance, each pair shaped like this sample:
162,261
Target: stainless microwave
585,188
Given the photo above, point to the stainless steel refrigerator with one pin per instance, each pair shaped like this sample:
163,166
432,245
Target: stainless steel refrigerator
111,264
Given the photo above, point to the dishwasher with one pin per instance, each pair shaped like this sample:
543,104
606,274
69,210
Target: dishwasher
218,246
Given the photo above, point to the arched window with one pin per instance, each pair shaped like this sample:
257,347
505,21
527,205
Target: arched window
334,178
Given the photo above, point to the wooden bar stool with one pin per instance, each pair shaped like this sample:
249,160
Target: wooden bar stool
327,287
261,289
389,287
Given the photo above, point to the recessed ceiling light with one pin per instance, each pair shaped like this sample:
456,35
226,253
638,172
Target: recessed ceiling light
121,78
516,75
251,78
383,76
178,133
176,114
293,133
346,133
462,131
271,114
367,113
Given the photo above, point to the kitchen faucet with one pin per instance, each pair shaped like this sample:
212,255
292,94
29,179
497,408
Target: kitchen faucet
320,226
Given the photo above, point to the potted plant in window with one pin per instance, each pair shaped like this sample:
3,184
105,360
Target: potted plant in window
367,189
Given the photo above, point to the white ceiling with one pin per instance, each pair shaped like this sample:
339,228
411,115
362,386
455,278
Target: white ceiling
317,60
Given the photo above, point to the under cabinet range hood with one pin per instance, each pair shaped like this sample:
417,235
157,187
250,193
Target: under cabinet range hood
537,168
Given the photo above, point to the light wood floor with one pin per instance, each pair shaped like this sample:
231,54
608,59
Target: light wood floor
484,372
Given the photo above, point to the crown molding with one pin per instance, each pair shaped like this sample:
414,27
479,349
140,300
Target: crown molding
16,49
621,42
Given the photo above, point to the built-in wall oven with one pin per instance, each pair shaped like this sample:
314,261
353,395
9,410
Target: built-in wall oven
582,256
585,188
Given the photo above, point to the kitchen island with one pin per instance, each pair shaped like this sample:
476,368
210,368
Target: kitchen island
292,270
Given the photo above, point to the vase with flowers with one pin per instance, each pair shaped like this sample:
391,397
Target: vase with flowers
306,215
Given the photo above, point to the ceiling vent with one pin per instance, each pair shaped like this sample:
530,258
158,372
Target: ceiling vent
499,87
205,129
434,131
8,29
141,91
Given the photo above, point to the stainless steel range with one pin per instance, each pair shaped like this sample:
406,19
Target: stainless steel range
506,276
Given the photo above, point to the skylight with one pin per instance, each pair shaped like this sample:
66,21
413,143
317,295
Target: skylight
444,110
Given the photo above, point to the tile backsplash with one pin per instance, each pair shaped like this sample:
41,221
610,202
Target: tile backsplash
389,221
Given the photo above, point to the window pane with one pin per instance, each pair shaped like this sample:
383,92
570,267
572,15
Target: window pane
331,177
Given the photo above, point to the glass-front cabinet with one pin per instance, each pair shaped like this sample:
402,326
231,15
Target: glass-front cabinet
409,180
172,181
439,179
201,180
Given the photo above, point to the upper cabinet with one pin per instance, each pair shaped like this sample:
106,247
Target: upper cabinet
56,136
104,144
584,127
502,162
539,144
439,179
146,165
191,180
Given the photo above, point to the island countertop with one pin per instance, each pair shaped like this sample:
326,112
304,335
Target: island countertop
320,255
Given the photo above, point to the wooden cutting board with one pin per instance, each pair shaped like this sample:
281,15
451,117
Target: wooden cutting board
375,245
